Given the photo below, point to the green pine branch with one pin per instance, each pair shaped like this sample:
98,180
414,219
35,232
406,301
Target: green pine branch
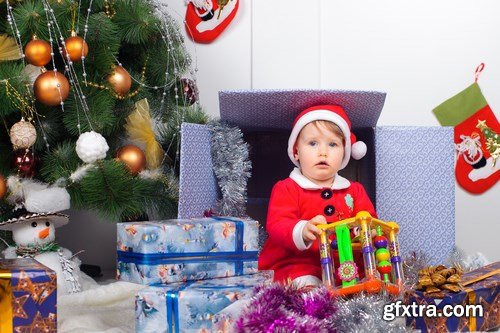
103,41
136,21
113,192
31,20
99,118
60,162
11,71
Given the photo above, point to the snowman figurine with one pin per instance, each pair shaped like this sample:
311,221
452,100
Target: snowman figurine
34,235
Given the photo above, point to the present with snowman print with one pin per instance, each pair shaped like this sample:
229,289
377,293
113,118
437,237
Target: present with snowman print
163,252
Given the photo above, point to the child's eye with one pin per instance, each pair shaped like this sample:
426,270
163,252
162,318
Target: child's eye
333,144
312,143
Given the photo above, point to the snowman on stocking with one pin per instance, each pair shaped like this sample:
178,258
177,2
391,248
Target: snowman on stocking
476,136
207,19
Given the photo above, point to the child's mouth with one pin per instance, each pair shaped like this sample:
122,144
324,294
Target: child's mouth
322,164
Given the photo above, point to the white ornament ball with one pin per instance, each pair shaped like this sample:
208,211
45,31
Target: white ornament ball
22,134
91,146
31,72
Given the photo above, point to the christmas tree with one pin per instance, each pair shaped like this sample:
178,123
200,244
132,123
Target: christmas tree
492,140
92,95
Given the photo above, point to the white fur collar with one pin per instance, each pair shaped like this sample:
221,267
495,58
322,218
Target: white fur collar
339,182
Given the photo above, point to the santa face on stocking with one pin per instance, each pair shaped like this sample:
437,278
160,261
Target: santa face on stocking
207,19
476,138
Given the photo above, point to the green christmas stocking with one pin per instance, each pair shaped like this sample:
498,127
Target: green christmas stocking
476,138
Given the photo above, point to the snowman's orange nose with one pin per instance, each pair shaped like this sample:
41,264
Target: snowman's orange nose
44,233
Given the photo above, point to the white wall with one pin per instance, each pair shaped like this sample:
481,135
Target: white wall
420,53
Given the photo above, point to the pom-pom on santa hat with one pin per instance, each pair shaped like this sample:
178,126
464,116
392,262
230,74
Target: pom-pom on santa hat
336,115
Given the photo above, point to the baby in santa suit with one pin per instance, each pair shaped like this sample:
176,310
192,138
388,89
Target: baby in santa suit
320,145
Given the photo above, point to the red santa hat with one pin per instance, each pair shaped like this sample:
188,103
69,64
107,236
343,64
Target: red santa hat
336,115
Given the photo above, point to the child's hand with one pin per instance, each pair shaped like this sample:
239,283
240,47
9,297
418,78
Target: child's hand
310,231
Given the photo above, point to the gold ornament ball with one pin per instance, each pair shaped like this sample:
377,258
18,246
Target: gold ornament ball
38,52
76,47
133,157
120,80
51,88
22,134
3,186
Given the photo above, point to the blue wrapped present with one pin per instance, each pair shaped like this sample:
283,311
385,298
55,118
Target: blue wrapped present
481,288
28,296
162,252
200,306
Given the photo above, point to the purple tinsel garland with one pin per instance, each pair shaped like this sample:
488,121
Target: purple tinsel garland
278,308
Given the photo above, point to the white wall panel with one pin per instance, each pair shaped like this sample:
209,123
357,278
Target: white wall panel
285,44
419,52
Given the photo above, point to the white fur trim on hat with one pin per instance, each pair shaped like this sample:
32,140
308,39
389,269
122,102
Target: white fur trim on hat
321,115
358,150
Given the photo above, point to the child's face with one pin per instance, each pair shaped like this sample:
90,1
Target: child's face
319,153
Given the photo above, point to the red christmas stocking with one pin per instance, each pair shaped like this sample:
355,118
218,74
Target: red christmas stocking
476,138
206,19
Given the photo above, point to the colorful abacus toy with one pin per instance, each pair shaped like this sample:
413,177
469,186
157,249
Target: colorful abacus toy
386,258
382,255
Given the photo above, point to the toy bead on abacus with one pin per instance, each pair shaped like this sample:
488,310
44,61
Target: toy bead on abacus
382,255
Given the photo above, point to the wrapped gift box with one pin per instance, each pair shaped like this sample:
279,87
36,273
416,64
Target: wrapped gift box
28,296
482,287
200,306
162,252
408,171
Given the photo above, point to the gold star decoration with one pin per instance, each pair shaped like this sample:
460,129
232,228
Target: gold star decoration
463,324
46,289
481,124
492,140
39,324
491,313
25,284
436,324
38,291
51,322
18,306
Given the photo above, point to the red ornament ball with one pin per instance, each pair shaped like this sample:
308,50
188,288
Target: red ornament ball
25,163
190,91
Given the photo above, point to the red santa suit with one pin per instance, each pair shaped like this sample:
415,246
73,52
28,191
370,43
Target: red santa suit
293,202
296,200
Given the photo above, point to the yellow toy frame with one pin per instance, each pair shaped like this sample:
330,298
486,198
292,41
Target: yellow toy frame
372,282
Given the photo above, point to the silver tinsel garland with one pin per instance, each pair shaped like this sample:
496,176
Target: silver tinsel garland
232,167
363,313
